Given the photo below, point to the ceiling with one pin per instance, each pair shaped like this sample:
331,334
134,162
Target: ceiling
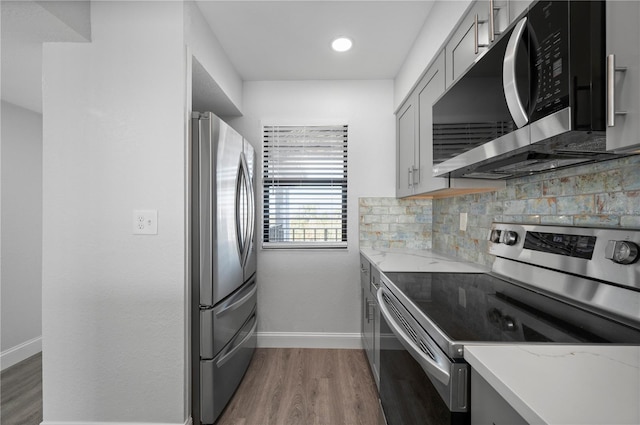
290,40
264,40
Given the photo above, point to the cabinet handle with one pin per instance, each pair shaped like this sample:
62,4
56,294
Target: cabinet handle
492,25
369,313
410,178
476,40
611,89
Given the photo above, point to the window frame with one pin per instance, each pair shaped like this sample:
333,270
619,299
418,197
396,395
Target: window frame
341,184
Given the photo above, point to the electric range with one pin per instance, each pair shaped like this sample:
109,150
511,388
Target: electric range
548,285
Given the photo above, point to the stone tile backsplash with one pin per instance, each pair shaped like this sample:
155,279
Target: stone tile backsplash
605,194
395,223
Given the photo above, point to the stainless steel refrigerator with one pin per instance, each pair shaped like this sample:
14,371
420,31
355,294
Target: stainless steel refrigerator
223,274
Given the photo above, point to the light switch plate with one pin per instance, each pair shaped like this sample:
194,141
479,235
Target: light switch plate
463,222
145,222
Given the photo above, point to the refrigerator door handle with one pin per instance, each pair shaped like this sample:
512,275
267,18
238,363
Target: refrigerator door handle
233,347
244,213
238,205
248,190
252,211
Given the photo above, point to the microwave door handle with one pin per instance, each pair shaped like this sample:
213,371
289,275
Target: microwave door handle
509,83
426,362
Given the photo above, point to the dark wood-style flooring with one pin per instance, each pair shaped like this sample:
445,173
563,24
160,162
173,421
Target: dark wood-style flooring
288,386
21,393
283,386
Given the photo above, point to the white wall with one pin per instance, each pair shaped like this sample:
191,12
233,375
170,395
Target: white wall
443,17
114,304
21,231
304,292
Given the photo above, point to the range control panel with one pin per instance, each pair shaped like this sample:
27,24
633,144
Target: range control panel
606,254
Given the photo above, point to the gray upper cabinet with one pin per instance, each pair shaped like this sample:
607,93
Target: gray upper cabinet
414,119
623,75
430,88
414,141
484,20
406,147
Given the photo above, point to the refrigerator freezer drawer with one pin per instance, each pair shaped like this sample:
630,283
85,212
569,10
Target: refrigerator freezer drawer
219,324
220,377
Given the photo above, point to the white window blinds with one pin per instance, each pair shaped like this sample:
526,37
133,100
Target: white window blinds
305,186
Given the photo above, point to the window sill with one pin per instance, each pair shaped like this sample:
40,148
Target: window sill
303,245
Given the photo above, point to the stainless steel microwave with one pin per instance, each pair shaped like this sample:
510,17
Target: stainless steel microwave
534,101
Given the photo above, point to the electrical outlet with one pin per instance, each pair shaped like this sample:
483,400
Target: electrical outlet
145,222
462,297
463,222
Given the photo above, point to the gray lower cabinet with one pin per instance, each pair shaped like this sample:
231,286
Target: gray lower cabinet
623,72
370,316
488,407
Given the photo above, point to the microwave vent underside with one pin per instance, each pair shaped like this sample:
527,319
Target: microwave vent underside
450,140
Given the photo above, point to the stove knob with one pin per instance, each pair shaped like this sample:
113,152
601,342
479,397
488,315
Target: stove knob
495,236
621,252
510,237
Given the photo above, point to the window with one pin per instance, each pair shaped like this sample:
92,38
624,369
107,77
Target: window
305,186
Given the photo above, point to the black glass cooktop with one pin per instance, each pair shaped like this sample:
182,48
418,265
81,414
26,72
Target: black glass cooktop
483,308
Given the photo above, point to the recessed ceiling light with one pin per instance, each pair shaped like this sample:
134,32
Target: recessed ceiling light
341,44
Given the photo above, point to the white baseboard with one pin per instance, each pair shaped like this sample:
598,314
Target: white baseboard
309,340
187,422
20,352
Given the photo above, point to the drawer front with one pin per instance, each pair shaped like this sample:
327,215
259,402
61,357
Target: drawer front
220,377
218,325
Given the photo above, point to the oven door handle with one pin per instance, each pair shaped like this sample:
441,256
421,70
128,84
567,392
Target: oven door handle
429,365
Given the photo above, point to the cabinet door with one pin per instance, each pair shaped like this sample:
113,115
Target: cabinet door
405,147
369,328
461,49
429,89
365,273
375,285
467,42
489,407
623,44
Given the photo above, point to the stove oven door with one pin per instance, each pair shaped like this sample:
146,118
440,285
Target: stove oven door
418,383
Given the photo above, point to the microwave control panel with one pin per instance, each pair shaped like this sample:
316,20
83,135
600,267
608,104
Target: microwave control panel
548,41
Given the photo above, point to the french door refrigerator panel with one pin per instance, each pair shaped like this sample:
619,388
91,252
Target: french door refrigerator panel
224,285
220,149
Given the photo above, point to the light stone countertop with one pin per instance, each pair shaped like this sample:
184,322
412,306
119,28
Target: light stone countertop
564,384
407,260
